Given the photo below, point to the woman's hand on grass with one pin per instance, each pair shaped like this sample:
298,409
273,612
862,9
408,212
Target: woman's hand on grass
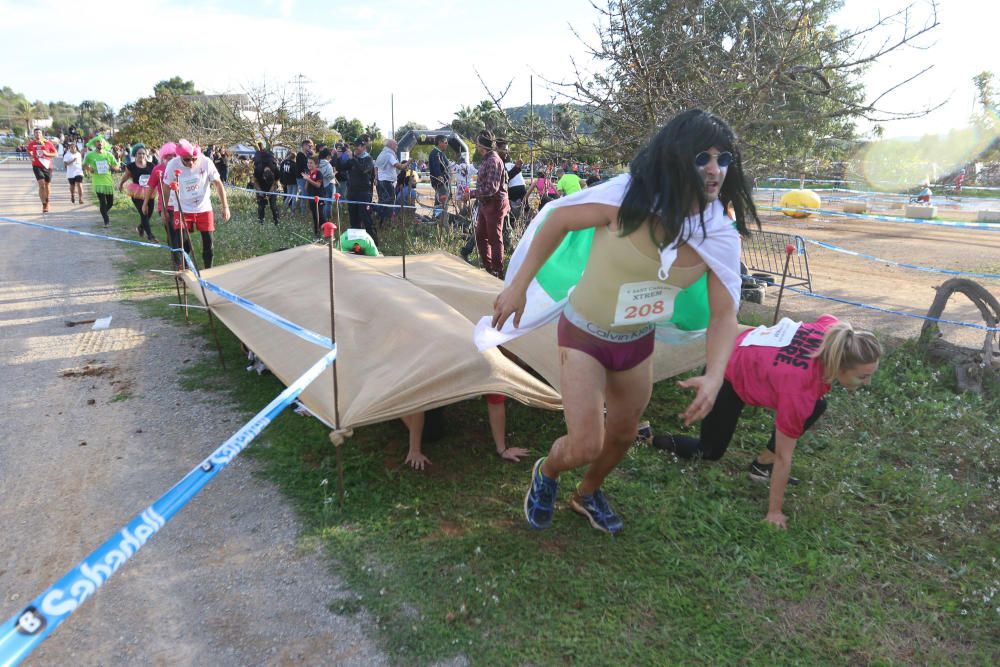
417,461
513,454
778,519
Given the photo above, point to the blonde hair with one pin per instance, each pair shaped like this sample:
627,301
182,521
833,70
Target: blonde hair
844,348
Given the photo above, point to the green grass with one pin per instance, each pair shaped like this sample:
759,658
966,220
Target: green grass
892,554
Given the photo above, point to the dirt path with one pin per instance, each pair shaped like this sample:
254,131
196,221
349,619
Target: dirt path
904,290
95,428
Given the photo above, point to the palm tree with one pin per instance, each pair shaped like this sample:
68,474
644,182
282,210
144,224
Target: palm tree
25,112
567,120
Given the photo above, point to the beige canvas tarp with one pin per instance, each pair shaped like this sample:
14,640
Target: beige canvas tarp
403,345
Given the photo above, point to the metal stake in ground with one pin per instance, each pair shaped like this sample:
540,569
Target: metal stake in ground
789,249
336,228
208,308
166,230
328,232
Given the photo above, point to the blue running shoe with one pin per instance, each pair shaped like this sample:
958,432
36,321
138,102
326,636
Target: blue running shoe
597,510
541,498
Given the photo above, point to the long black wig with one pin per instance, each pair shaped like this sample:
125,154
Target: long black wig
666,185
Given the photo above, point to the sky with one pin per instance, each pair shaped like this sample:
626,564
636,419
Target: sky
352,56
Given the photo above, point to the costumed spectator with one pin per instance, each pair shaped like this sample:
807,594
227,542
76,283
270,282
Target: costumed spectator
491,192
440,177
388,167
360,181
42,152
788,368
74,172
194,176
101,163
656,231
156,188
136,176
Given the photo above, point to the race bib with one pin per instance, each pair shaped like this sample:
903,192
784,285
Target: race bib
648,301
143,180
102,167
40,153
191,185
779,335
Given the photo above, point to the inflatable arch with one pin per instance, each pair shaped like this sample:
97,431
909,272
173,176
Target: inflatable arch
426,138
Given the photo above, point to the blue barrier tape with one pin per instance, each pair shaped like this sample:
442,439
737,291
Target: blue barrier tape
246,304
314,198
267,315
814,295
984,226
22,633
934,185
869,194
930,269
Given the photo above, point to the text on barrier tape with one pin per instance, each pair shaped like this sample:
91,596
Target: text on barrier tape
22,633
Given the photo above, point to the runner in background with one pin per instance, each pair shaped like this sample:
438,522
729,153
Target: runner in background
788,368
42,152
195,176
102,163
74,172
156,188
136,176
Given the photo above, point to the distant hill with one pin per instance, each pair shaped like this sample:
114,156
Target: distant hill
587,124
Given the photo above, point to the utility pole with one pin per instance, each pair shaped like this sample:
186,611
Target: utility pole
531,127
392,114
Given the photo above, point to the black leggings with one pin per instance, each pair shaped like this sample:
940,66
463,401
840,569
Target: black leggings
143,220
718,427
262,202
207,239
106,201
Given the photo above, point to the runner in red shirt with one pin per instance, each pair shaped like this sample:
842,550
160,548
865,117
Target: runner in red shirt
42,152
156,190
788,368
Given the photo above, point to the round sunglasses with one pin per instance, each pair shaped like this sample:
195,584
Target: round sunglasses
723,159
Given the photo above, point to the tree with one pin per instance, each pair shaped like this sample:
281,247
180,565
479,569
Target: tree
406,127
348,129
467,122
176,86
779,71
987,117
25,113
373,132
566,120
154,120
